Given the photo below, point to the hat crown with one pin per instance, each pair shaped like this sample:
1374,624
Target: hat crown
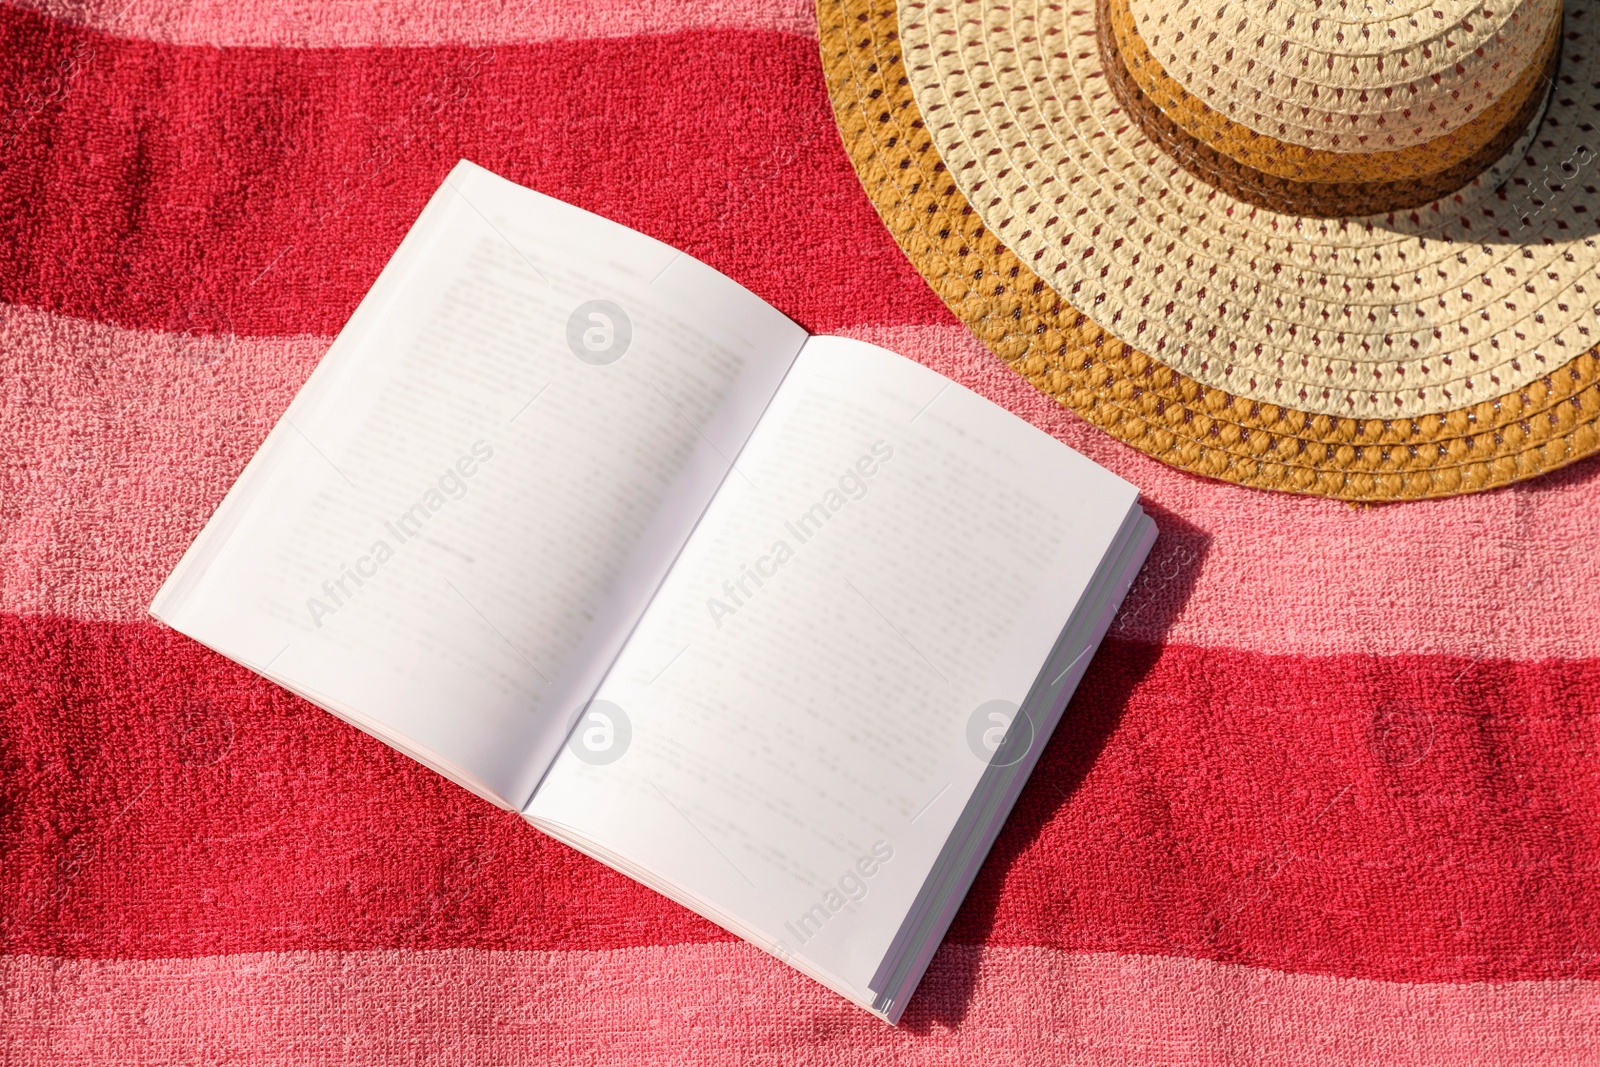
1346,75
1376,324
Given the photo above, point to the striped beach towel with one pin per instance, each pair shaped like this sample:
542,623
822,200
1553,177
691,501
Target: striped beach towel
1330,793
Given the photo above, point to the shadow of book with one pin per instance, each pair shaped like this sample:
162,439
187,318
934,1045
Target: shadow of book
1131,650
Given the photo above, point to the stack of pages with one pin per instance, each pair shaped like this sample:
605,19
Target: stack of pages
775,624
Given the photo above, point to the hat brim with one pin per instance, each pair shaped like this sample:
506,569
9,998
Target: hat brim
1543,425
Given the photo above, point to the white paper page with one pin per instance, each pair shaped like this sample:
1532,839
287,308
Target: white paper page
797,702
458,521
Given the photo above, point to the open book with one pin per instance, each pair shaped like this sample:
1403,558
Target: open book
775,624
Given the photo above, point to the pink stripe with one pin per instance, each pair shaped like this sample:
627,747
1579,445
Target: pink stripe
119,445
351,23
87,406
726,1003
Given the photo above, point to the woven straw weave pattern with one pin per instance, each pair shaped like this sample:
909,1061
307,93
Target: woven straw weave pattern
1390,316
1372,79
1143,402
1482,140
1300,181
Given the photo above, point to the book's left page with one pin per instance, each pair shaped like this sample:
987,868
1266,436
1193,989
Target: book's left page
451,531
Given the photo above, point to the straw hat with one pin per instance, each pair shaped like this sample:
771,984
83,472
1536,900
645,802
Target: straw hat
1344,247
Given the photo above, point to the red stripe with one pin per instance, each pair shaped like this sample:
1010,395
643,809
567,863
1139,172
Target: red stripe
162,801
261,190
1268,810
1411,818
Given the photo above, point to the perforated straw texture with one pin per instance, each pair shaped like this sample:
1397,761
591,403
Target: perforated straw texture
1356,174
1423,353
1348,75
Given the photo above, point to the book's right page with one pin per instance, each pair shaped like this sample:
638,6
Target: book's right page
791,732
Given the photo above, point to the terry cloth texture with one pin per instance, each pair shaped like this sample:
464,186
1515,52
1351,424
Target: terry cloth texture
1328,794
